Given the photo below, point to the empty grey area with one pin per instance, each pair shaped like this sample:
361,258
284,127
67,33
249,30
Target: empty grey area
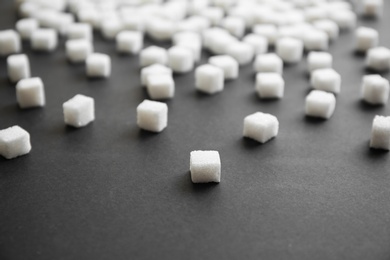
112,191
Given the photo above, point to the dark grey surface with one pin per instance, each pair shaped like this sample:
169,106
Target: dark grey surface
111,191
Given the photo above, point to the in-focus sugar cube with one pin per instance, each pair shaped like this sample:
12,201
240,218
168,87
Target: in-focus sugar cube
98,65
290,50
227,64
205,166
79,111
258,42
326,80
366,38
261,127
375,89
79,31
269,85
268,62
129,42
378,59
30,93
180,59
319,60
320,104
242,52
380,133
152,116
160,86
78,50
18,67
152,55
14,142
10,42
44,40
26,26
209,79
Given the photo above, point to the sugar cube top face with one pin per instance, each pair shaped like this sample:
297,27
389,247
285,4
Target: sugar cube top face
10,42
98,65
258,42
152,55
30,93
227,64
375,90
44,40
320,104
129,42
326,80
14,142
269,85
18,67
378,59
180,59
319,60
366,38
328,26
161,86
79,111
290,50
205,166
155,69
380,133
78,50
242,52
269,62
80,31
316,40
152,116
209,79
261,127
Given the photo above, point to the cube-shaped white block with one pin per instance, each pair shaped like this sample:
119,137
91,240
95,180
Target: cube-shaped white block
44,40
98,65
18,67
366,38
344,18
269,85
10,42
375,89
214,14
152,55
261,127
80,31
129,42
209,79
258,42
78,50
79,111
26,26
326,80
372,8
268,31
234,25
160,86
319,60
320,104
205,166
290,50
316,40
227,64
242,52
30,93
269,62
155,69
378,59
14,142
160,29
380,133
152,116
180,59
110,27
194,46
329,27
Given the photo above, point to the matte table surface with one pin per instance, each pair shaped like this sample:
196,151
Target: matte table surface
112,191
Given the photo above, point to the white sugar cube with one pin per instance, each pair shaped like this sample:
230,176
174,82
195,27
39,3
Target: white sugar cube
90,16
134,23
180,59
30,93
152,116
218,43
326,80
378,59
155,69
315,13
268,31
372,8
261,127
80,31
242,52
205,166
14,142
316,40
186,36
269,62
329,27
345,19
375,89
234,25
129,42
28,9
380,133
78,50
214,14
152,55
10,42
258,42
366,38
110,28
98,65
79,111
269,85
26,26
160,86
160,29
18,67
209,79
319,60
290,50
227,64
44,40
194,46
320,104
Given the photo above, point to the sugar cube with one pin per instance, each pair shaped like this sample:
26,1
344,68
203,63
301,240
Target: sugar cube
214,14
378,59
380,133
14,142
227,64
261,127
345,19
180,59
319,60
30,93
18,67
320,104
242,52
205,166
326,80
234,25
375,89
152,116
269,85
160,29
78,50
26,26
44,40
209,79
290,50
80,31
258,42
10,42
372,8
111,27
194,46
268,62
79,111
129,42
316,40
268,31
366,38
329,27
160,86
152,55
98,65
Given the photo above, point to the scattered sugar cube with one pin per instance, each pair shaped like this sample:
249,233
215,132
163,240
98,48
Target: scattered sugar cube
290,50
155,69
269,85
319,60
30,93
44,40
26,26
320,104
329,27
79,31
380,133
129,42
234,25
111,27
14,142
326,80
152,115
366,38
316,40
10,42
180,59
160,29
90,16
205,166
219,43
209,79
375,89
269,62
214,14
98,65
227,64
258,42
160,86
268,31
79,111
378,59
261,127
372,8
242,52
194,46
152,55
186,36
345,19
18,67
78,50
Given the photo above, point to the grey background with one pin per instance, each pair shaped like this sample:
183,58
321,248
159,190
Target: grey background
111,191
